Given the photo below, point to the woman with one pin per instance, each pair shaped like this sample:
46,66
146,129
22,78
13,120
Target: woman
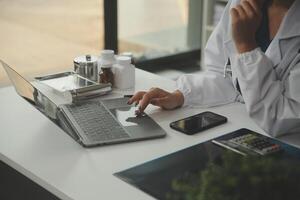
251,57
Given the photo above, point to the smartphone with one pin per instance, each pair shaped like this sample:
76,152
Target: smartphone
197,123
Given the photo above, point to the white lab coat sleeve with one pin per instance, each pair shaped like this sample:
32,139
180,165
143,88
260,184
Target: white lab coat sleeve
210,88
270,102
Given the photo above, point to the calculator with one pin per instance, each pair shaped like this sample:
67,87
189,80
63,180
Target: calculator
250,143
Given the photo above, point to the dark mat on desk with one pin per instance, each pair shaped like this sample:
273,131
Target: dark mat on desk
209,172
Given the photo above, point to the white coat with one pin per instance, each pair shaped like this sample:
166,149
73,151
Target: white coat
269,82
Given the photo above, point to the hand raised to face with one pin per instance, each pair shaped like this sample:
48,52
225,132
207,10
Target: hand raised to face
245,20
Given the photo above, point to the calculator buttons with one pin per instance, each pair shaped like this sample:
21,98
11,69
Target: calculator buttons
259,144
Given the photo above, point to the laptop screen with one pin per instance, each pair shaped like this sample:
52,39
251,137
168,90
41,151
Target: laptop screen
26,90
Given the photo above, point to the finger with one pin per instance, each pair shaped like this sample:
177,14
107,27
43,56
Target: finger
136,102
250,11
139,113
241,11
136,97
256,4
256,7
144,102
234,14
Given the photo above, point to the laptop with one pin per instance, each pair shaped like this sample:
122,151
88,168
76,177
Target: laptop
93,122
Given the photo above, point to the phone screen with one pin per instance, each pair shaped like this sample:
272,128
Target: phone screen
199,122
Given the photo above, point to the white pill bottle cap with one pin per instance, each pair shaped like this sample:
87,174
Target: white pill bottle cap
124,60
107,58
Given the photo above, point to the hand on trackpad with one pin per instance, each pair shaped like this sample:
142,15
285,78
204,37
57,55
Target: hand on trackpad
138,113
127,115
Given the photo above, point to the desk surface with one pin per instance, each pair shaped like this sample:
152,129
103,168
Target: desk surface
37,148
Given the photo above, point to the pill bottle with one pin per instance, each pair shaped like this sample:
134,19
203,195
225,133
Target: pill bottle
106,75
106,56
124,73
105,63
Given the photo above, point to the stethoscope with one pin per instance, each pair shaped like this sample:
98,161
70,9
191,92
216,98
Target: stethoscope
227,69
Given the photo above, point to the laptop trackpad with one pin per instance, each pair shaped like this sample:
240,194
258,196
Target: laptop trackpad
138,126
126,116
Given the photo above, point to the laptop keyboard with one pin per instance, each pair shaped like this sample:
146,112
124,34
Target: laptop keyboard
96,122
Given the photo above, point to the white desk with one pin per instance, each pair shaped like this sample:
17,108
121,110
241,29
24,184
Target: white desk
37,148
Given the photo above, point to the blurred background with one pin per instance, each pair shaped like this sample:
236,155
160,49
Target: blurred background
39,37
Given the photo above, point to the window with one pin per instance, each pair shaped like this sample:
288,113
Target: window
159,29
40,37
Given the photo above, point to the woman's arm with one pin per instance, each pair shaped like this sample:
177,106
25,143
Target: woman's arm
207,89
269,101
273,104
211,88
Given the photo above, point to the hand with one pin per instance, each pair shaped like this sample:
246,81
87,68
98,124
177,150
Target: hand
157,97
246,19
